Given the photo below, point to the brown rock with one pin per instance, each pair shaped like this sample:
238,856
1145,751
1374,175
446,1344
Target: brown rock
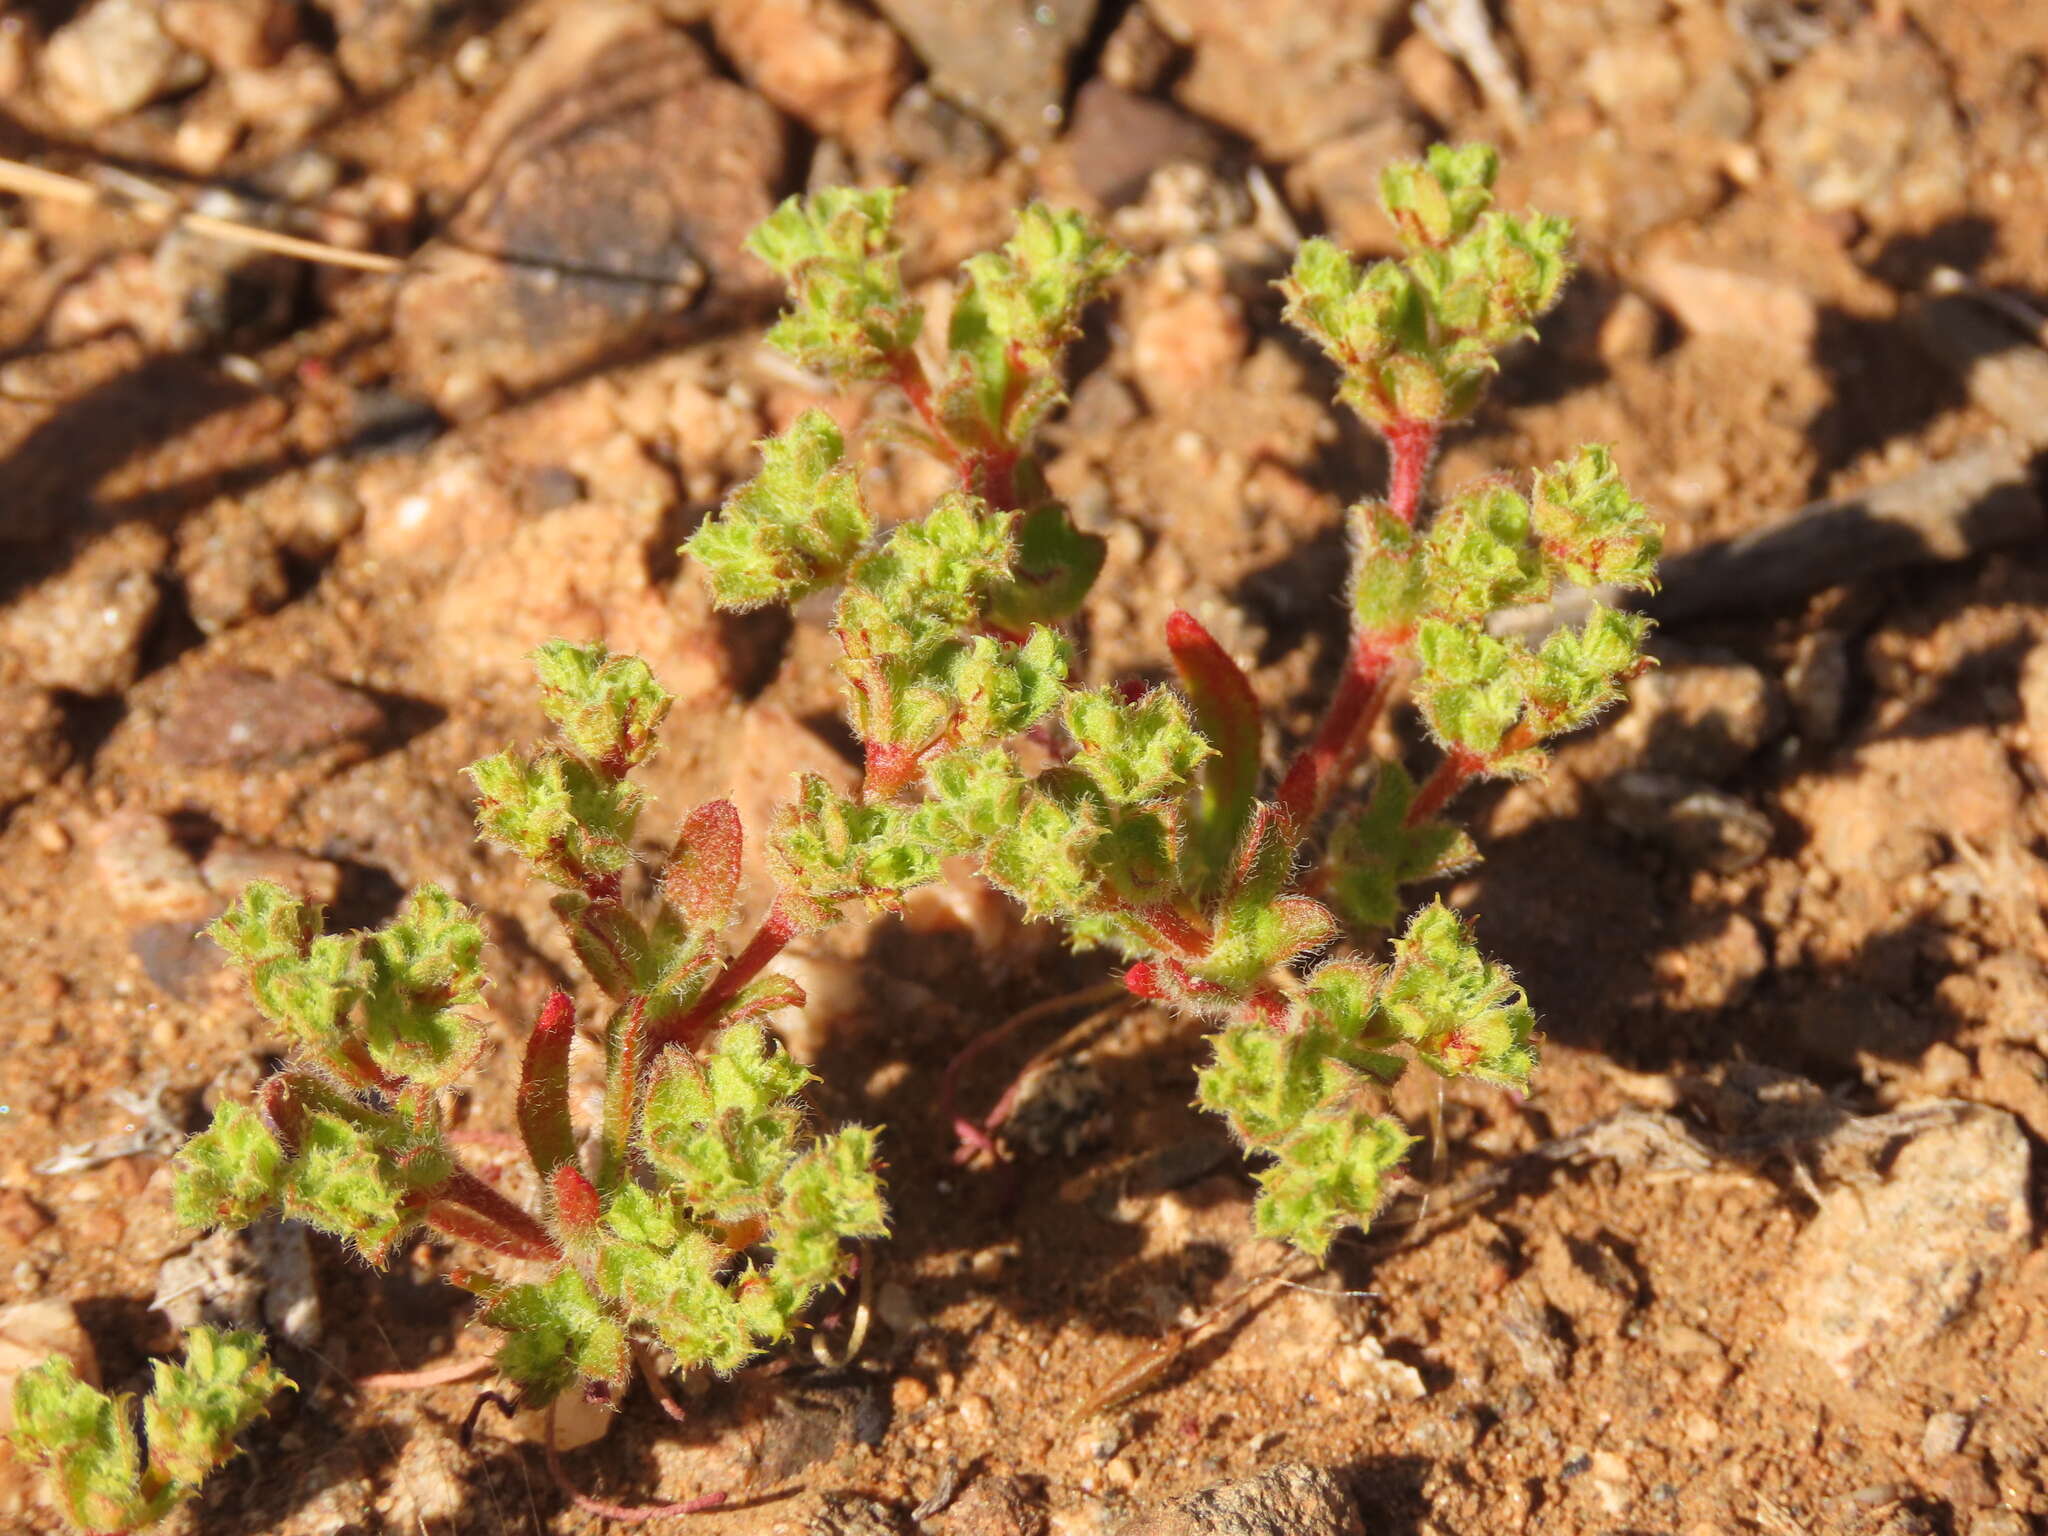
110,59
83,628
33,746
30,1333
232,34
1715,301
147,875
1292,1500
835,68
1866,122
993,1505
1003,60
1288,74
230,567
229,717
620,176
1119,139
1882,1269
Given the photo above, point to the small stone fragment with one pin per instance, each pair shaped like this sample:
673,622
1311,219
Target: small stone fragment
232,34
230,568
1883,1269
1003,60
620,176
379,43
995,1505
1137,55
217,1281
30,1333
926,128
1288,74
231,864
1866,122
1696,821
310,519
231,717
110,59
578,1423
1943,1435
1292,1500
1715,301
1119,139
82,629
1817,686
834,67
147,876
33,746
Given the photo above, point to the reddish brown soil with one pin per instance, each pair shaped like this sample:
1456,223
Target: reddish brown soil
1593,1346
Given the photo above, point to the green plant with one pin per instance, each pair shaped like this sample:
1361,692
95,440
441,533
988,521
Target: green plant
710,1216
86,1440
1147,833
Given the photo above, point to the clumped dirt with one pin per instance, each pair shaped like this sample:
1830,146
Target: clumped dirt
1760,1253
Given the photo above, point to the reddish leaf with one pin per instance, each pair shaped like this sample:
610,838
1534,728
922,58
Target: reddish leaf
576,1204
544,1121
1227,713
703,878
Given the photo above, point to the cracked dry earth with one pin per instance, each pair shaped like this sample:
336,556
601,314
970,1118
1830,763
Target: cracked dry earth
1762,1252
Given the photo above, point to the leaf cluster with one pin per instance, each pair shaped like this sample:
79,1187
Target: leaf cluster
1417,337
105,1477
712,1214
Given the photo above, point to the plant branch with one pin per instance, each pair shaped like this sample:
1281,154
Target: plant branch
466,1191
1361,694
769,940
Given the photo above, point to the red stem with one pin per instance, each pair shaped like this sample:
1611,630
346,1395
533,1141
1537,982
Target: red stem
459,1221
1174,927
1451,775
1411,445
1356,704
464,1188
909,376
775,932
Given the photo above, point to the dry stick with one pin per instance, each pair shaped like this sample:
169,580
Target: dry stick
30,181
1978,499
972,1135
444,1374
627,1514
